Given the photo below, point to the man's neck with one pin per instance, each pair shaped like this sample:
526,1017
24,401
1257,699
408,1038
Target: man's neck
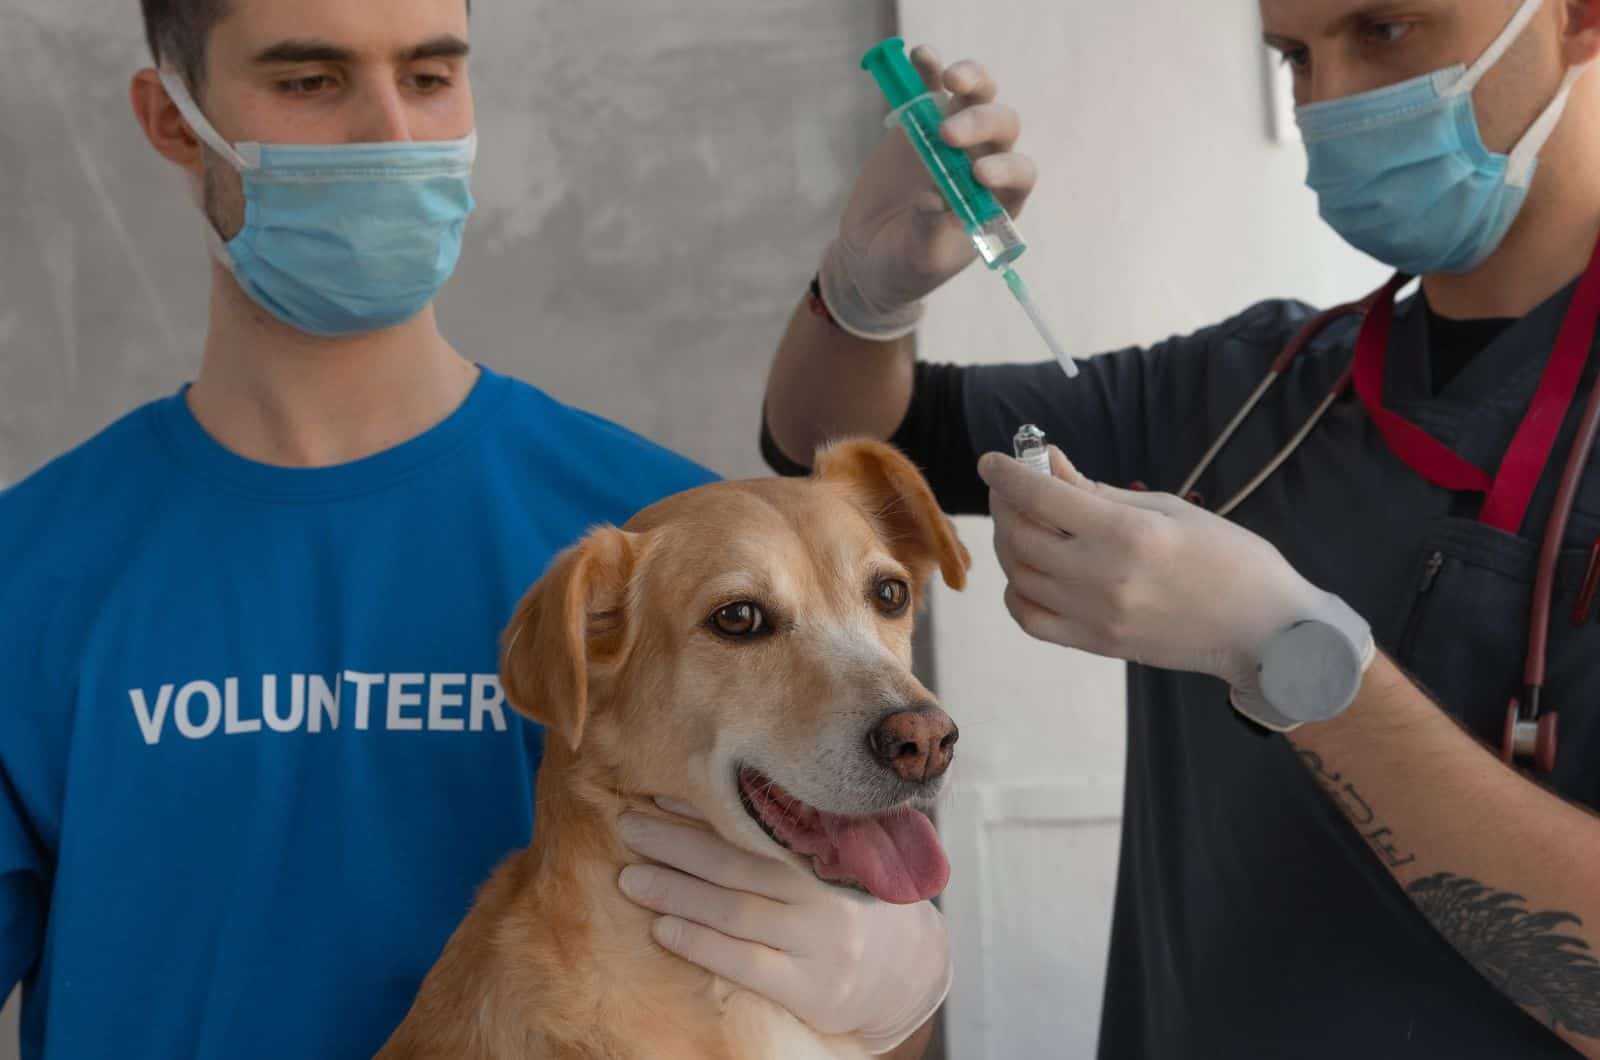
1539,258
277,396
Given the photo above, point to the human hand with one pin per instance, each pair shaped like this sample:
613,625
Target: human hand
1145,577
899,240
843,962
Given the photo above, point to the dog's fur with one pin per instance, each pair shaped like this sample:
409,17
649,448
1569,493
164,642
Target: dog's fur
614,653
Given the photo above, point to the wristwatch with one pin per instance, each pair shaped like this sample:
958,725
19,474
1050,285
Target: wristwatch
1309,671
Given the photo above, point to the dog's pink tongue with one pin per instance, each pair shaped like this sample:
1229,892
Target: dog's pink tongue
896,856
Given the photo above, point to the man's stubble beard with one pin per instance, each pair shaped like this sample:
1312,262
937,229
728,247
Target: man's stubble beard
223,191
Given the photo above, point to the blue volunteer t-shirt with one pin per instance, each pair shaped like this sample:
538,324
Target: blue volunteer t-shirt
254,756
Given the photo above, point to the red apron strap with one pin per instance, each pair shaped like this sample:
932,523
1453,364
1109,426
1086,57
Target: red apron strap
1508,494
1416,448
1530,450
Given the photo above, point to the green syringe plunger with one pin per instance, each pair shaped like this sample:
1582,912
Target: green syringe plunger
916,110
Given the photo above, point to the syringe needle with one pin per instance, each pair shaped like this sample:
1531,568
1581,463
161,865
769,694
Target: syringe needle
1020,290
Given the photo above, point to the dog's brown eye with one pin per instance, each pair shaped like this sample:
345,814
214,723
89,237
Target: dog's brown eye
743,619
891,595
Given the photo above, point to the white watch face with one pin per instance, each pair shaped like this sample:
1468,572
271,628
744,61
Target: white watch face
1310,672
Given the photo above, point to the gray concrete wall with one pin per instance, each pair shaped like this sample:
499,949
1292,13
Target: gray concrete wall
658,178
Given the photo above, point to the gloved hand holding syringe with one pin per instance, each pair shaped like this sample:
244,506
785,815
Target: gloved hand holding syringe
918,113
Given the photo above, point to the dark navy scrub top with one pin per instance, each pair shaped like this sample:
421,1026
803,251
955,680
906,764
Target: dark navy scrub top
1251,919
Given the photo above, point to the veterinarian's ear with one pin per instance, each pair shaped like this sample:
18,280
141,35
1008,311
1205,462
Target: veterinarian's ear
893,491
568,622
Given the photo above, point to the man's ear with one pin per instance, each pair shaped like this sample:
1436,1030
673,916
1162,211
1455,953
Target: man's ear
1581,42
571,619
163,126
895,494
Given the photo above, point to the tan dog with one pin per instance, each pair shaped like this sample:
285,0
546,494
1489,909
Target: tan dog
744,647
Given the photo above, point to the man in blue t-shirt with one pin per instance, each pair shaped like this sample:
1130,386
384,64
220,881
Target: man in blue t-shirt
254,757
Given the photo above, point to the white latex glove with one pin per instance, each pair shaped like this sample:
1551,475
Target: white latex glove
898,240
843,962
1146,577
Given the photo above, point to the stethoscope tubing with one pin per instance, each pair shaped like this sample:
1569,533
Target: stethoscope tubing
1280,364
1538,631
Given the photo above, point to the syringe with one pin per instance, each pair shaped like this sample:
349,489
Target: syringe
917,111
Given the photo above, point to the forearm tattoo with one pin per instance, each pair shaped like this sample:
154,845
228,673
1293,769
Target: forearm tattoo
1524,954
1532,958
1347,798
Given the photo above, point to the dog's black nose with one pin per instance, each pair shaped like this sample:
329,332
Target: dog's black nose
917,744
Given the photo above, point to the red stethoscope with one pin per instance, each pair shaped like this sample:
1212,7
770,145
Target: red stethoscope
1530,727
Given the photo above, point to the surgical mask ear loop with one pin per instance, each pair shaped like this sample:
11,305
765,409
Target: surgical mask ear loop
246,157
1525,156
1496,51
178,92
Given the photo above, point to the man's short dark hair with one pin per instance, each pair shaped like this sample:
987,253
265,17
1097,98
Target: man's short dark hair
178,31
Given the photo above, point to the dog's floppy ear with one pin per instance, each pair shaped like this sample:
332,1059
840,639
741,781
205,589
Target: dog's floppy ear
893,492
571,619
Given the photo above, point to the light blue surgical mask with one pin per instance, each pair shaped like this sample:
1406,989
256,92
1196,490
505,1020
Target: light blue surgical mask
342,239
1402,174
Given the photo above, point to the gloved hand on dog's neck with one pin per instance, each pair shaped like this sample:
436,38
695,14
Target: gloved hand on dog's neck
843,962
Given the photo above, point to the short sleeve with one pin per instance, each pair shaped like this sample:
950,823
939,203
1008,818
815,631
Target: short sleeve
23,864
22,890
1140,414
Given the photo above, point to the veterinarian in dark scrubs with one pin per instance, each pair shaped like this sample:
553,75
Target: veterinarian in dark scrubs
1324,853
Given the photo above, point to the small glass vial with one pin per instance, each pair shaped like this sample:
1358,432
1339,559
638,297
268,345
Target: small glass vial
1030,448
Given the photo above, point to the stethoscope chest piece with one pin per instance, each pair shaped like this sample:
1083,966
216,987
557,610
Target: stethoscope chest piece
1529,738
